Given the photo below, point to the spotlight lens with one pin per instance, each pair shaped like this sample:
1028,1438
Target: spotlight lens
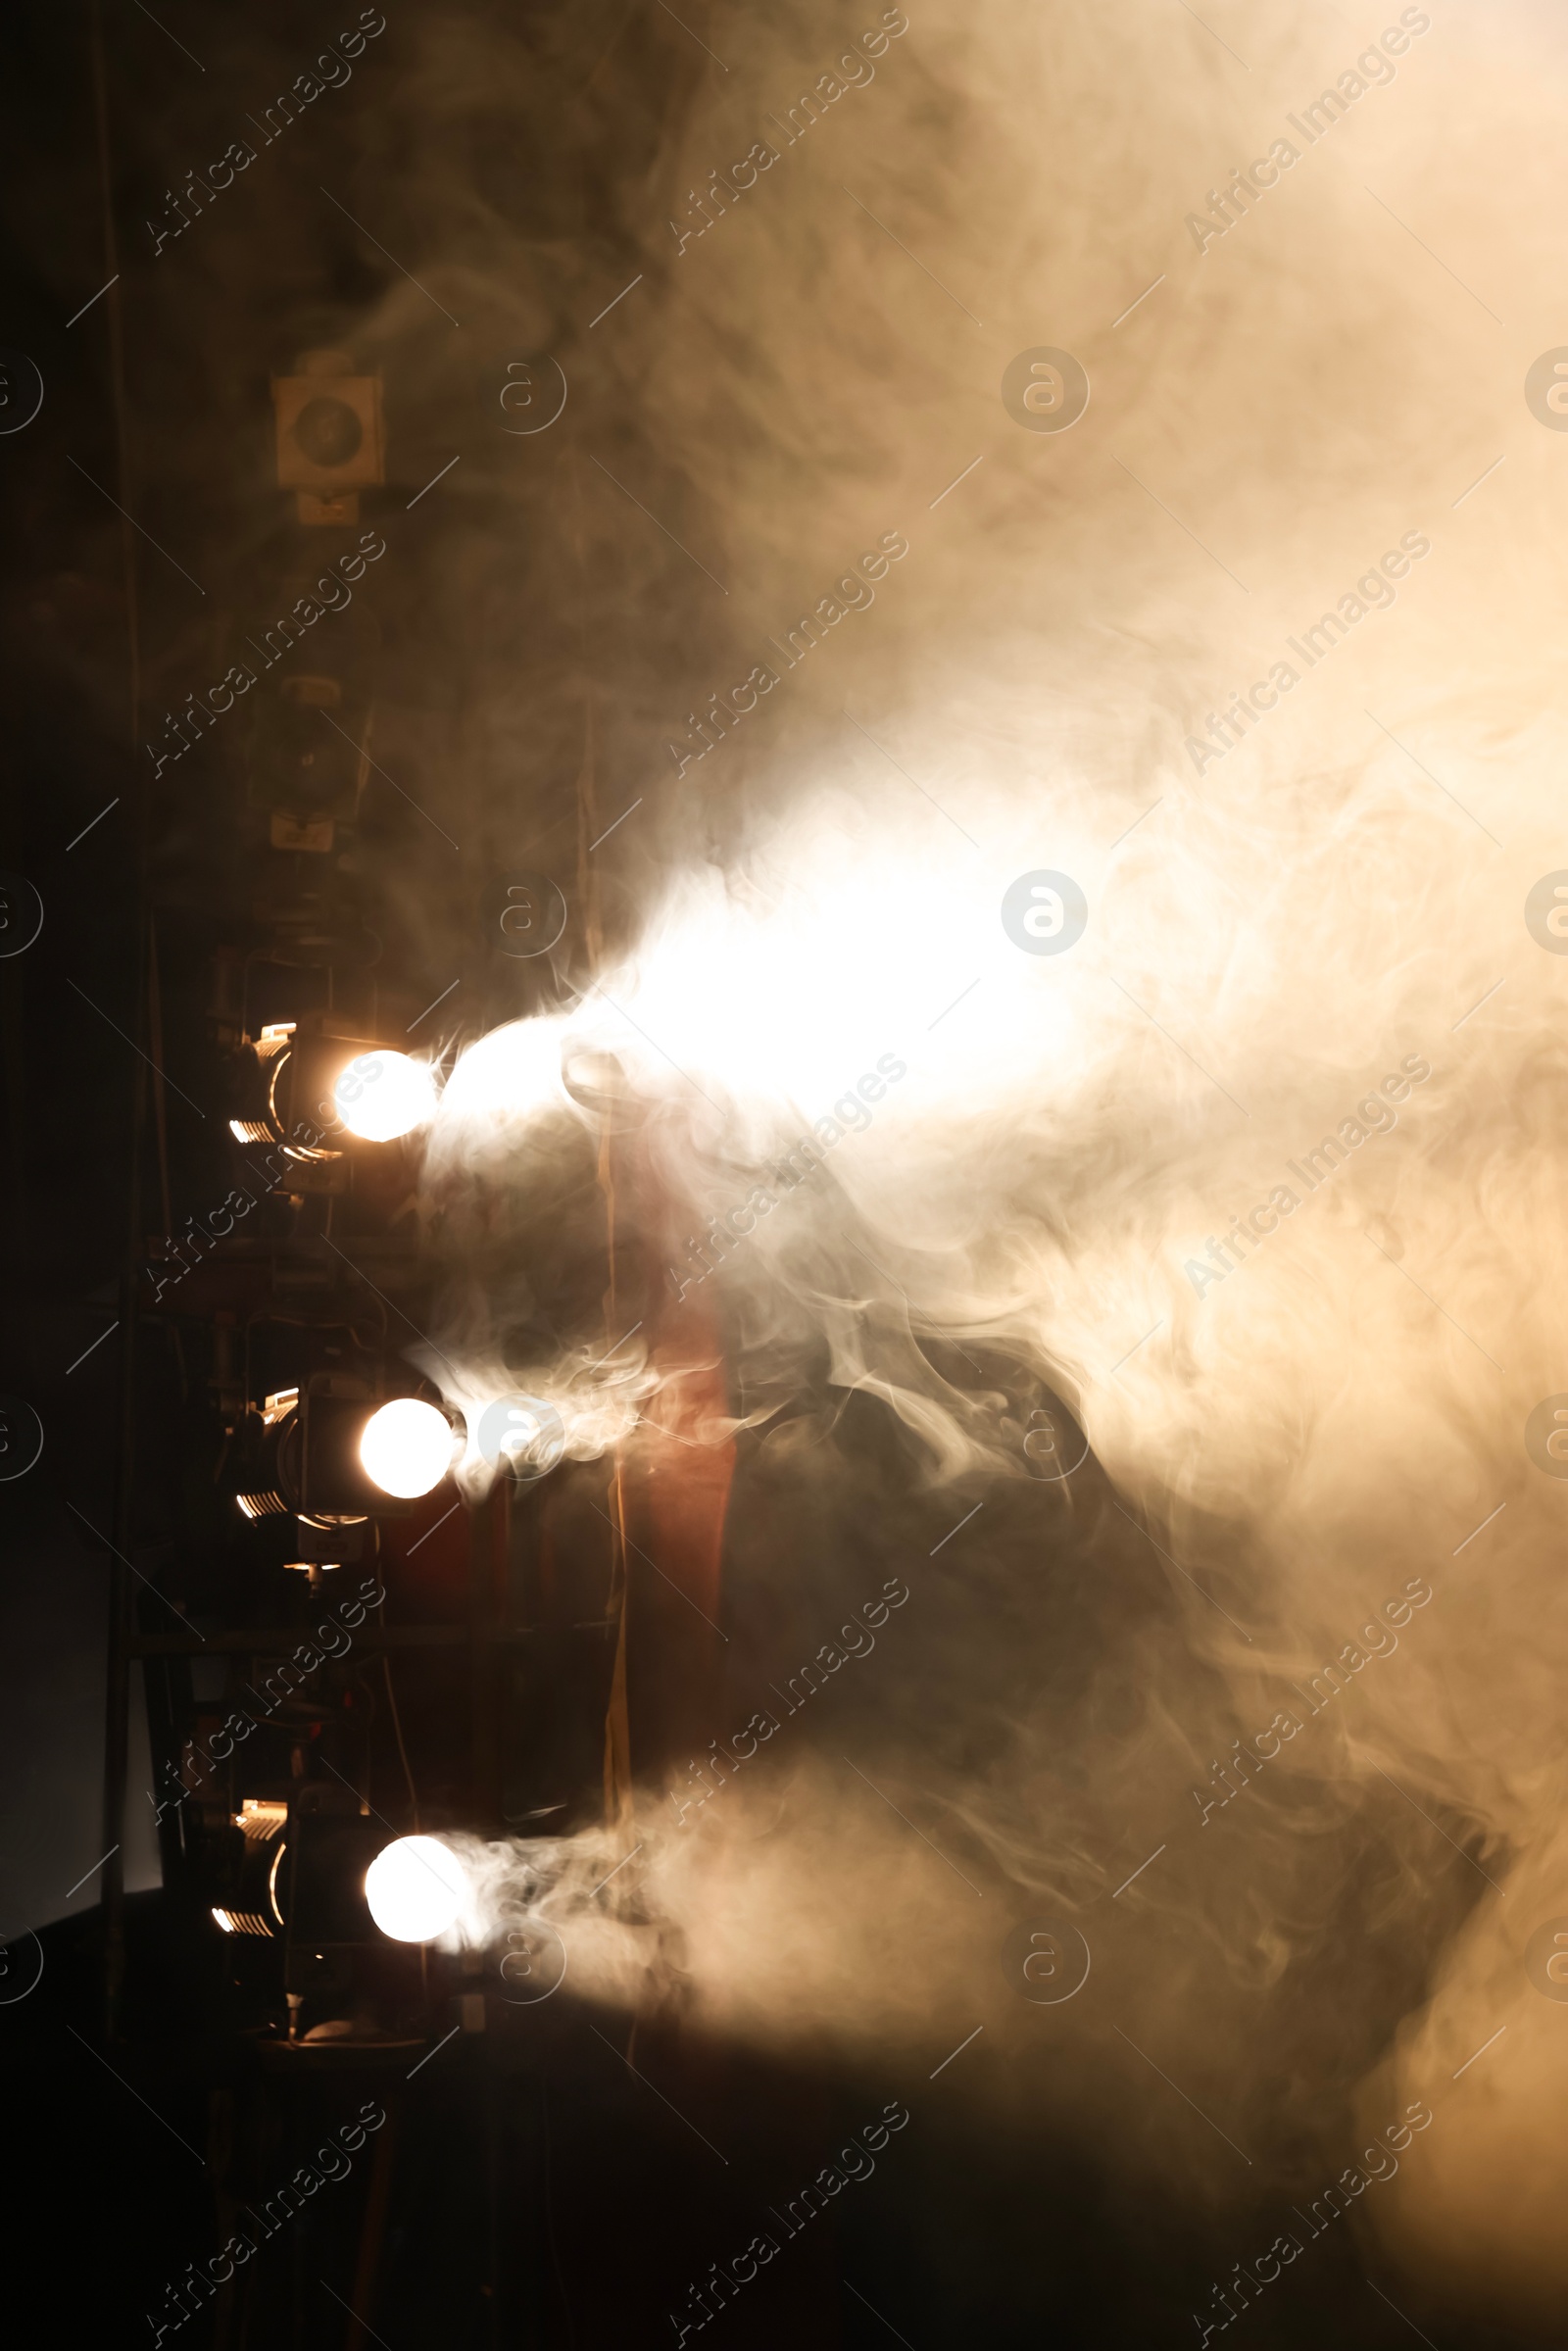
407,1448
384,1095
416,1889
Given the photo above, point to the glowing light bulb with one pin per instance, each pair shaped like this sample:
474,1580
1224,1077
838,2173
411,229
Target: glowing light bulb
407,1448
384,1095
415,1889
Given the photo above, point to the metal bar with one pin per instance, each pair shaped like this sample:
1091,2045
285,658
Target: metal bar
484,1634
279,1639
116,1706
372,2230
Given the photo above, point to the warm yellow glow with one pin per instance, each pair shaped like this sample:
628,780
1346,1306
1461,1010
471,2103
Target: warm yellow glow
407,1448
242,1921
416,1889
260,1817
832,958
260,1505
381,1095
512,1072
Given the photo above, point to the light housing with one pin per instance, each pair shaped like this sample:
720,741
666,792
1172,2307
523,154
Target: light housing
311,1087
252,1850
331,439
306,1453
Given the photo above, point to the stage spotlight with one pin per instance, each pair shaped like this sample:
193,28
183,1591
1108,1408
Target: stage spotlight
307,1086
407,1448
382,1096
246,1858
335,1455
415,1889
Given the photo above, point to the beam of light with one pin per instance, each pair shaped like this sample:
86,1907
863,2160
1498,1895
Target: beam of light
382,1096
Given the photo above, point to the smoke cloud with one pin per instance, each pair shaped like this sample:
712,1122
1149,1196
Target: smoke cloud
1254,1184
